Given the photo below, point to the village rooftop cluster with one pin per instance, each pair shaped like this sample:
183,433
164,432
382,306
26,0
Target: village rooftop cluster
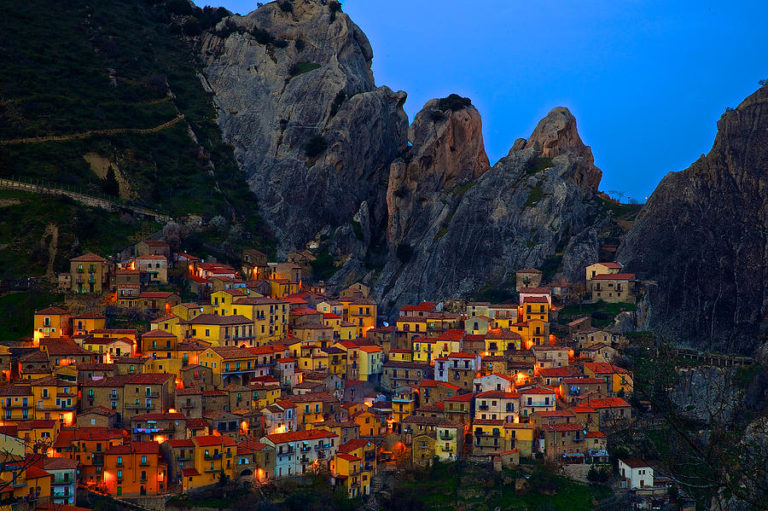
265,377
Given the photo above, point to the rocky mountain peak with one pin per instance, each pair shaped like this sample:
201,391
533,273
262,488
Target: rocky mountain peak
447,151
557,134
452,139
298,102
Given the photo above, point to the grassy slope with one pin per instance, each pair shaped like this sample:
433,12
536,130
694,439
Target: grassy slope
479,488
56,59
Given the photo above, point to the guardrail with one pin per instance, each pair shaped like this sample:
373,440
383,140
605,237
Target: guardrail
48,188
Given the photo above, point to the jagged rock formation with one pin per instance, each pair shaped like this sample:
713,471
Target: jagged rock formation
702,239
298,101
447,153
326,153
557,134
455,229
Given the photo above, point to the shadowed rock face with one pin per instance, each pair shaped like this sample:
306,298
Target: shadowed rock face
281,78
702,238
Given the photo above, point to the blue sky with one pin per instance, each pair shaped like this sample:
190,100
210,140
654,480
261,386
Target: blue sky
646,80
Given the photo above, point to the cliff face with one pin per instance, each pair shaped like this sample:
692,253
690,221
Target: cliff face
702,238
298,102
447,153
455,227
327,154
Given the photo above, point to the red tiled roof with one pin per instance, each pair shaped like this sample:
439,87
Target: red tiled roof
555,372
423,307
634,462
353,445
52,311
451,335
603,368
459,354
300,436
535,299
487,422
150,378
89,257
208,440
35,472
537,391
461,397
608,402
180,442
347,457
615,276
197,423
595,434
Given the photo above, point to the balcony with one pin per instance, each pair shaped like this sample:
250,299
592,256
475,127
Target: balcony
151,394
483,407
305,448
322,446
141,406
212,456
446,436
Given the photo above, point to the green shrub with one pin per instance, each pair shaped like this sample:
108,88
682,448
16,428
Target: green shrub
334,7
315,146
110,184
323,267
262,36
537,165
285,6
454,102
534,196
358,229
299,44
192,27
300,68
180,7
337,102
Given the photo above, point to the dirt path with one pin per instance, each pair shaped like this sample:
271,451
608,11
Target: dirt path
90,133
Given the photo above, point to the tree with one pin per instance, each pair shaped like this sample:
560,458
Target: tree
109,185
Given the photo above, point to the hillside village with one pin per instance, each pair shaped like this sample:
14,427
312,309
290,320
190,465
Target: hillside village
128,390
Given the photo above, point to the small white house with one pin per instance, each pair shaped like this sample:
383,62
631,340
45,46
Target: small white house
636,473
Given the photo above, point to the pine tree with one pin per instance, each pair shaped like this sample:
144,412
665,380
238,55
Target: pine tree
110,184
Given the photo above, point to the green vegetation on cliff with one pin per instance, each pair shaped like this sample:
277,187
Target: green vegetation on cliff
77,67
